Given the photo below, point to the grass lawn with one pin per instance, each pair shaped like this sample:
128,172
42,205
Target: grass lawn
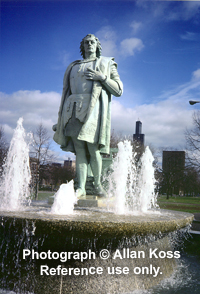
44,195
187,204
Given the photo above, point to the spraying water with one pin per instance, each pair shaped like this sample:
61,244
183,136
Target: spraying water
146,182
131,183
14,188
65,199
122,176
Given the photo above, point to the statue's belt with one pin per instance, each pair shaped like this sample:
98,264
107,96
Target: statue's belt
82,104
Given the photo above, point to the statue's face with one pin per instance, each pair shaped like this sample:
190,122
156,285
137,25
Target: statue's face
90,45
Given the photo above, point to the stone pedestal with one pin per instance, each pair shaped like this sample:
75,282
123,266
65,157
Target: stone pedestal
92,201
88,201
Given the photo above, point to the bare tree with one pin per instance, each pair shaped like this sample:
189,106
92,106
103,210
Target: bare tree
41,153
115,138
193,142
137,146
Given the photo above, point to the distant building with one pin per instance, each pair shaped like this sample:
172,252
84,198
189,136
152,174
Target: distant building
138,136
173,166
69,163
173,160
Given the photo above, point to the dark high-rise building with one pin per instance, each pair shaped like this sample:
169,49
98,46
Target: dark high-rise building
173,166
138,136
173,160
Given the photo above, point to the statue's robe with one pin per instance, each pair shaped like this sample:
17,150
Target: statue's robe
99,111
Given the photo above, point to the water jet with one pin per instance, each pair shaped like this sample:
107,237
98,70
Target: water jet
90,250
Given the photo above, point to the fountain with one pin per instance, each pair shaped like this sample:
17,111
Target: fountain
131,183
64,199
94,250
14,187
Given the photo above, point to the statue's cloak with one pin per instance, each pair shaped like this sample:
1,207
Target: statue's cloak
98,117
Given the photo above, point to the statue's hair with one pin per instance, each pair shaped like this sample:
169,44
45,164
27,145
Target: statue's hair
99,48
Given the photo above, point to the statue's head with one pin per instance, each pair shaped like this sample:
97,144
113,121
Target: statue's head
98,45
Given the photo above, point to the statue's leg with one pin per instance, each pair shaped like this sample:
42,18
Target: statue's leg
81,165
95,162
96,166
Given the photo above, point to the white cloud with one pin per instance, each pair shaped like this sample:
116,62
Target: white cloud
196,75
190,9
108,38
164,121
167,11
185,11
107,33
135,25
62,61
35,107
189,36
130,46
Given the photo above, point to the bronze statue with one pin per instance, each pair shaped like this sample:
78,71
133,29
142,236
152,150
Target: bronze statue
84,116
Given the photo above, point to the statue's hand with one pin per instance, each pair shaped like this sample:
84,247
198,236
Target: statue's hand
54,127
95,75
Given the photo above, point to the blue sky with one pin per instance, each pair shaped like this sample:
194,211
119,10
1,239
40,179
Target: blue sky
155,43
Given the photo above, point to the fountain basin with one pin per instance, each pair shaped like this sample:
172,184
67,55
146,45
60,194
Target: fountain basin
86,230
90,222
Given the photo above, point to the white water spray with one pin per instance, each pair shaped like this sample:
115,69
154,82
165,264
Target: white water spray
14,187
132,184
146,182
122,176
64,199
